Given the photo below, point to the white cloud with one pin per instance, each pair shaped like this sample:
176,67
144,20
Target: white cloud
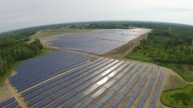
24,13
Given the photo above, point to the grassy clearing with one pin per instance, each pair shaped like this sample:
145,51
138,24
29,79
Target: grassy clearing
179,98
182,70
138,56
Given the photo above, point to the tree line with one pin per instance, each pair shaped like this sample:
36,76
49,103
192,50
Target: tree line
168,46
15,47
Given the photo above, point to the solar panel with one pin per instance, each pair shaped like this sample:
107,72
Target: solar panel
59,102
112,93
46,66
98,42
86,103
90,89
148,90
110,83
73,86
128,88
102,77
65,83
74,101
156,92
139,88
98,93
102,90
9,103
4,103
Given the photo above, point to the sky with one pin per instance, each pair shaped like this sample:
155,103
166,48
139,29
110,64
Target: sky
16,14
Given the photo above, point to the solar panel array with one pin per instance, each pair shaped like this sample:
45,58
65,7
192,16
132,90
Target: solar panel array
9,103
67,79
102,83
99,41
36,70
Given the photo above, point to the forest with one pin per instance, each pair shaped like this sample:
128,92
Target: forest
168,46
15,47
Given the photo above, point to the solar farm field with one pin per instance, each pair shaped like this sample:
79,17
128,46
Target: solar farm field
98,41
74,79
104,82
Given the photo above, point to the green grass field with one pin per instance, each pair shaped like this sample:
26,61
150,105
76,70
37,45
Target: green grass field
179,98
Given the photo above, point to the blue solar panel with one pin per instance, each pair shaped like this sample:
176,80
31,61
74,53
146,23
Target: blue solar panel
70,88
46,66
118,100
60,93
111,93
129,87
74,101
62,100
99,105
80,88
110,83
86,103
12,105
65,83
139,88
106,97
148,90
9,103
129,103
97,42
117,77
102,90
98,93
157,91
4,103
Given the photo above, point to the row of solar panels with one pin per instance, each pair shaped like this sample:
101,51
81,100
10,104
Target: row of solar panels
98,42
84,85
88,101
95,46
61,89
38,69
117,87
9,103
